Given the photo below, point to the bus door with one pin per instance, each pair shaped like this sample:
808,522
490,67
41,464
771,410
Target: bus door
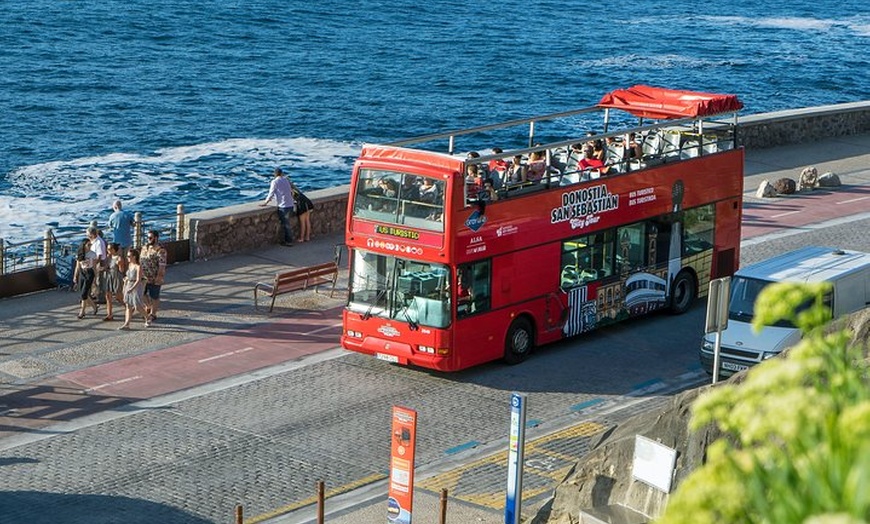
474,337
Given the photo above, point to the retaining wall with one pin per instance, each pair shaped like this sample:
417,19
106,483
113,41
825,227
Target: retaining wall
809,124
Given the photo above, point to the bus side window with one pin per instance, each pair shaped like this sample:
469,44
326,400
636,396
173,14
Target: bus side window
473,288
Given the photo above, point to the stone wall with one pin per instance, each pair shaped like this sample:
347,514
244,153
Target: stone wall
246,227
797,126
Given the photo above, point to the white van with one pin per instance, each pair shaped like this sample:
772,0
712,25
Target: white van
740,347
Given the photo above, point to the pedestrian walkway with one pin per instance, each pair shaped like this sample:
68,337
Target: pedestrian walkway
207,311
51,362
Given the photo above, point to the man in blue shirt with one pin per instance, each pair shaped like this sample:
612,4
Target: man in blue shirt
282,192
121,223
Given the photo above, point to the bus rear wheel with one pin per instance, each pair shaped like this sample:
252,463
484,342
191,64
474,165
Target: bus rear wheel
519,341
683,293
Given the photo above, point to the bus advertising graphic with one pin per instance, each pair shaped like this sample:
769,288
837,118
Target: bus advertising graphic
462,254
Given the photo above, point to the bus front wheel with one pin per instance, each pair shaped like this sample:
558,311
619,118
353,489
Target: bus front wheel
683,293
519,341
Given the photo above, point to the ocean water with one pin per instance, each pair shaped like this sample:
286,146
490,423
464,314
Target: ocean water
161,102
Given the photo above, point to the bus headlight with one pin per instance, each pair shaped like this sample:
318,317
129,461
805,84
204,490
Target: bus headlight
768,354
354,334
706,345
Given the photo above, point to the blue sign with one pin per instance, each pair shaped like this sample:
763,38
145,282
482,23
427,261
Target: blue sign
476,220
516,445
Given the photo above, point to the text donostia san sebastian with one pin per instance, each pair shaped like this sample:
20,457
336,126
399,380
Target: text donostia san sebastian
584,202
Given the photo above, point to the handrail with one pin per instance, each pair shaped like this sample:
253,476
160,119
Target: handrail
31,254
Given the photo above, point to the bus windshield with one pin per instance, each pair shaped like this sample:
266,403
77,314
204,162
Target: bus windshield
399,289
400,198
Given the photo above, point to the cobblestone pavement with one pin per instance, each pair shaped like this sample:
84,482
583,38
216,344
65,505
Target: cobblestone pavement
84,433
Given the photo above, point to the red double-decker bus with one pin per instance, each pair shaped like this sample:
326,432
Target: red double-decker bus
479,244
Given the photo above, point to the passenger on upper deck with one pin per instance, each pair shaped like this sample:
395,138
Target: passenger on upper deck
473,180
488,193
537,166
589,160
632,148
497,166
516,172
598,150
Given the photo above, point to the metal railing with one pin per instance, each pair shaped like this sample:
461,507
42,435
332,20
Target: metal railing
16,257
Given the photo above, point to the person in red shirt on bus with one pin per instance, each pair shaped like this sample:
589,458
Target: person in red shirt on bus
589,160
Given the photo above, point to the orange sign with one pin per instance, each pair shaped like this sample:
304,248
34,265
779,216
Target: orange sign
401,493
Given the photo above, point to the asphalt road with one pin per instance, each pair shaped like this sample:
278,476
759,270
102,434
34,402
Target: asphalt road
263,439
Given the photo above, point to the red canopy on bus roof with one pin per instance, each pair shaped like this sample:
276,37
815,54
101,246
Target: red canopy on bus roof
659,103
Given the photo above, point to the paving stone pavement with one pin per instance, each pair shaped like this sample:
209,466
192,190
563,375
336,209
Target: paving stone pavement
42,341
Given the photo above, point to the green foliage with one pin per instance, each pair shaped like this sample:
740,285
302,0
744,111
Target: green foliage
788,301
798,431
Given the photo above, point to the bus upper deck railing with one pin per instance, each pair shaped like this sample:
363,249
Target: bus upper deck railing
659,142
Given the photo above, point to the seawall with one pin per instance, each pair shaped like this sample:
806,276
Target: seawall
246,227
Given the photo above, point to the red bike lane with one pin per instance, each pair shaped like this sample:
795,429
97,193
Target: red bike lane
803,209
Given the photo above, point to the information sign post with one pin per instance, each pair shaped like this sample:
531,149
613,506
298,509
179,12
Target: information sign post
717,316
401,492
516,446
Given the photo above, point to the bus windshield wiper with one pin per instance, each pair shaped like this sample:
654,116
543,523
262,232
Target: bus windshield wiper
411,324
368,314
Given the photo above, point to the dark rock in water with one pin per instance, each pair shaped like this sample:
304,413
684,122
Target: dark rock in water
785,186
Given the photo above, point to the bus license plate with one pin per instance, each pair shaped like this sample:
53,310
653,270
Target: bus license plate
733,367
387,358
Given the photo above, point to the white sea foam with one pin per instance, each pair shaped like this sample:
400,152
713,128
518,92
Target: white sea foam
856,25
74,192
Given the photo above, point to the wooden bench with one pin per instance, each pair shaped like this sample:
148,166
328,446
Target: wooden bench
298,280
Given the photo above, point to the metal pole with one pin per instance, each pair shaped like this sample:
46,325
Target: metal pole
46,247
239,514
443,516
137,233
531,133
179,222
2,257
321,489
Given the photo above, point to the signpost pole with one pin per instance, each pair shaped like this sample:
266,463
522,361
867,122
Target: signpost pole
717,316
516,447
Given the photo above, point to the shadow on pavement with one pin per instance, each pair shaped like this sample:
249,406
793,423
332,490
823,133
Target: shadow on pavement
35,507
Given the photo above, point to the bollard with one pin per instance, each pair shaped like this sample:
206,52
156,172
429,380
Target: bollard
2,257
320,492
46,248
443,517
239,514
179,222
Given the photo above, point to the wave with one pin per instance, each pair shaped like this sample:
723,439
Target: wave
858,25
69,194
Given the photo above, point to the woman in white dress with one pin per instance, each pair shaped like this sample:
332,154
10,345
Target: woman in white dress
134,289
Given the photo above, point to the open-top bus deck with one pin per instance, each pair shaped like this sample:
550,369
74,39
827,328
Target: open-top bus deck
478,244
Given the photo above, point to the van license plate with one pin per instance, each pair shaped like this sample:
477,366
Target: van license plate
387,358
730,366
